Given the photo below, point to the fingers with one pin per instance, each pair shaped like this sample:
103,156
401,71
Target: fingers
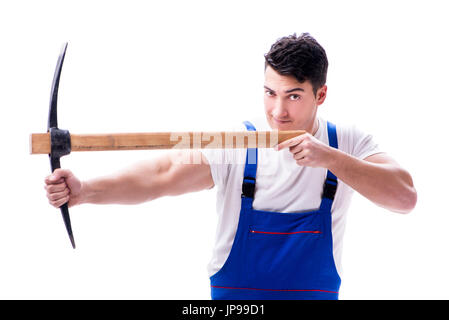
51,188
290,142
285,144
299,155
298,146
307,150
54,196
58,203
58,192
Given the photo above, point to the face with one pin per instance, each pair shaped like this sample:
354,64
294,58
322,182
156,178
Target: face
289,104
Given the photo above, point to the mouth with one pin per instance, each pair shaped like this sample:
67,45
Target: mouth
280,121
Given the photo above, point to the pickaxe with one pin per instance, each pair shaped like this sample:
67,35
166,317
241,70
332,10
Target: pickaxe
57,143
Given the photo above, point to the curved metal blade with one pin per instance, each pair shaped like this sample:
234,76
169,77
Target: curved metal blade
53,123
53,113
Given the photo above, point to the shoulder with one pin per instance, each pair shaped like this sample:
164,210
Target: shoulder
354,140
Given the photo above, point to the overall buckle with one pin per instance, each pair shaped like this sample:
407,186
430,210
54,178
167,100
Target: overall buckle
330,188
248,187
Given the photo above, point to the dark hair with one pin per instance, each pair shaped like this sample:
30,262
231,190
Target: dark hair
299,56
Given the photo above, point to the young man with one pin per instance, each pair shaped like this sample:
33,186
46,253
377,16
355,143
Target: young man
281,211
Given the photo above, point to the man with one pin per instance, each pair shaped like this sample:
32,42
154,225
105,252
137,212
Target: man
281,211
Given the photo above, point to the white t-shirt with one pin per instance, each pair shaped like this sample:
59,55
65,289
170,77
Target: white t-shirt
281,185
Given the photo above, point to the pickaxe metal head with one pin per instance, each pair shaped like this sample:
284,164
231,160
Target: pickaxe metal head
59,139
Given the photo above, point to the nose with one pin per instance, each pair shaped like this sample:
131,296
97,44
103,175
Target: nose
279,110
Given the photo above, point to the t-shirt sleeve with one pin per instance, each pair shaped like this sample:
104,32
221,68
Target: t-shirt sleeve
221,160
363,144
218,167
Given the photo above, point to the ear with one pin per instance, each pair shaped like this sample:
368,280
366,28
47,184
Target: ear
321,95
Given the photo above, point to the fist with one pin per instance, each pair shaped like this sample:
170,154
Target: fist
62,186
308,151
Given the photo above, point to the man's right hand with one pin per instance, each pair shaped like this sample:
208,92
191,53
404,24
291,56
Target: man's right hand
62,186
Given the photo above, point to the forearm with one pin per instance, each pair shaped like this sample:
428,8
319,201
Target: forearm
133,185
167,175
386,184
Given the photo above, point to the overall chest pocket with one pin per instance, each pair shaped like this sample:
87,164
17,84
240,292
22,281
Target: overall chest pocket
283,246
285,225
283,235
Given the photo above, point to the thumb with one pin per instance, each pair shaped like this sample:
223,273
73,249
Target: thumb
60,173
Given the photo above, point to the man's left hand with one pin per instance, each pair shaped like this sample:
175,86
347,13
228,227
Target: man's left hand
308,151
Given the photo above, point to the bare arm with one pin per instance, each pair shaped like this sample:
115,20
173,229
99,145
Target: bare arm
144,181
378,177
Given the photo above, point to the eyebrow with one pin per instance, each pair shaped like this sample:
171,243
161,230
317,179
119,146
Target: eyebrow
287,91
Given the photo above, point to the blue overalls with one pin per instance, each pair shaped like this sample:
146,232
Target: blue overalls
279,255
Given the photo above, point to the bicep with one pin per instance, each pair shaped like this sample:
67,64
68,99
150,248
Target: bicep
381,158
386,161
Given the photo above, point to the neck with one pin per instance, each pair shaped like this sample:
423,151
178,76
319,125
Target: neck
315,126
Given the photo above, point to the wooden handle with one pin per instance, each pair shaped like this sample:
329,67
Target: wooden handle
40,142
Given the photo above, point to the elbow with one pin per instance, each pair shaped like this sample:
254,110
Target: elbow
408,201
408,195
405,195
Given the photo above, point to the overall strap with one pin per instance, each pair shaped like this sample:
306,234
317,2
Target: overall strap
331,182
249,176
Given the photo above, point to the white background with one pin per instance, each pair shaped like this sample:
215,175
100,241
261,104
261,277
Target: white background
141,66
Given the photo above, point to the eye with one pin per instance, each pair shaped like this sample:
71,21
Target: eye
269,93
294,97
